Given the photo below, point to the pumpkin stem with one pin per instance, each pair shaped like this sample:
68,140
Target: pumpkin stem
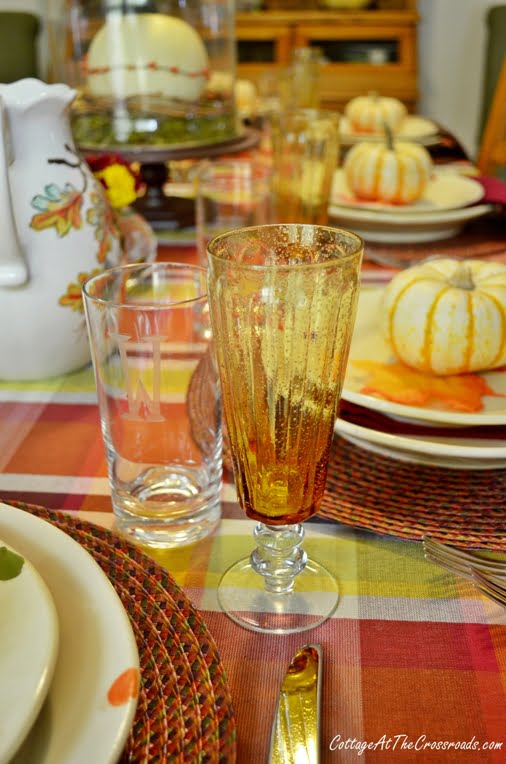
462,277
389,136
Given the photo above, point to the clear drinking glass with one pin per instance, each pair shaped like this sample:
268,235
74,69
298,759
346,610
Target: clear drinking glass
230,194
282,300
305,150
159,400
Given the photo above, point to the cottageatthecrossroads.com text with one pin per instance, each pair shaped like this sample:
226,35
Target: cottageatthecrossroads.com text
403,742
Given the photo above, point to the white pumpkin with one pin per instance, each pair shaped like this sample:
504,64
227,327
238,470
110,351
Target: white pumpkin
448,316
395,173
370,113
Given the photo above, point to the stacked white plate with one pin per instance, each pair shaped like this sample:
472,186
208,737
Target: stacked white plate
450,202
462,449
412,128
65,640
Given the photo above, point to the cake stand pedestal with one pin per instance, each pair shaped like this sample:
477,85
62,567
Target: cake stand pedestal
162,211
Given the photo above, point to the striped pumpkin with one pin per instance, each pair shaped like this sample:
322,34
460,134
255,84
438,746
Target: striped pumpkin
448,316
394,173
369,113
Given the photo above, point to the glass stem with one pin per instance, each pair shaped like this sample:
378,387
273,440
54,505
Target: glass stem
278,556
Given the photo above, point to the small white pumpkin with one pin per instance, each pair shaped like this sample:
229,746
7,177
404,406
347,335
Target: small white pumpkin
448,316
369,113
395,173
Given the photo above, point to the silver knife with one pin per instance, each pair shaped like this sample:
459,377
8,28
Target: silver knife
295,737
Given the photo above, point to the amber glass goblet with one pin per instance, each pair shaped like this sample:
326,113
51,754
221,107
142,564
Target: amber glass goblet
283,300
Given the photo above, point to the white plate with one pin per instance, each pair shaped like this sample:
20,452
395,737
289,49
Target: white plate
455,453
413,128
383,227
28,648
368,344
77,724
445,191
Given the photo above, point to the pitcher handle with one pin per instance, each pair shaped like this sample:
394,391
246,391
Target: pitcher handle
13,268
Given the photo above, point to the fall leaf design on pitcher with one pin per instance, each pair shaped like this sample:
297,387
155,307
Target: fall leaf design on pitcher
73,297
61,209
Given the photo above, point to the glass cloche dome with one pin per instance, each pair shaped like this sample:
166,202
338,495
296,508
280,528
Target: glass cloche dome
152,73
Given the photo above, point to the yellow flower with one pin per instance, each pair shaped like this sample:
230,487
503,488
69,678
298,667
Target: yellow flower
119,185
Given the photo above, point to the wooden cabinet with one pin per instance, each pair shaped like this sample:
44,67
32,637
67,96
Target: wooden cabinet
370,50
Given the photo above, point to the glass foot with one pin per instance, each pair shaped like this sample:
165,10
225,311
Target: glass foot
243,598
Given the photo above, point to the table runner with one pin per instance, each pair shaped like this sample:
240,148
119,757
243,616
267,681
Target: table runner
413,654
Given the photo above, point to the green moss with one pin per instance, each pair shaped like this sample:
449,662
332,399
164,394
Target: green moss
98,130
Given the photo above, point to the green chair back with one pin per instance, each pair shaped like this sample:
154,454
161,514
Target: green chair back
18,45
494,53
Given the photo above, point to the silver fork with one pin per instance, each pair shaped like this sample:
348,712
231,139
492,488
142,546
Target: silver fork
492,586
488,576
462,562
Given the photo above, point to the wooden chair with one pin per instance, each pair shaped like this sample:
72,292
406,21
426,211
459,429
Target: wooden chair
492,152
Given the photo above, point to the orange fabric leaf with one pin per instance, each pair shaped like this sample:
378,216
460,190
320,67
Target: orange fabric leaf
400,384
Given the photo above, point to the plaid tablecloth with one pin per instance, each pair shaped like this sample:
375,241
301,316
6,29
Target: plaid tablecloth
414,658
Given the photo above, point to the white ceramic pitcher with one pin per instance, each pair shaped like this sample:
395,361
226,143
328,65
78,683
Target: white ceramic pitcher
56,228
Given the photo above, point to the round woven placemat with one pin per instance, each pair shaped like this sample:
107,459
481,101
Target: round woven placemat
462,507
185,711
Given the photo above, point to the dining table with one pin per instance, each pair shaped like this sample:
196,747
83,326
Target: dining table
414,657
